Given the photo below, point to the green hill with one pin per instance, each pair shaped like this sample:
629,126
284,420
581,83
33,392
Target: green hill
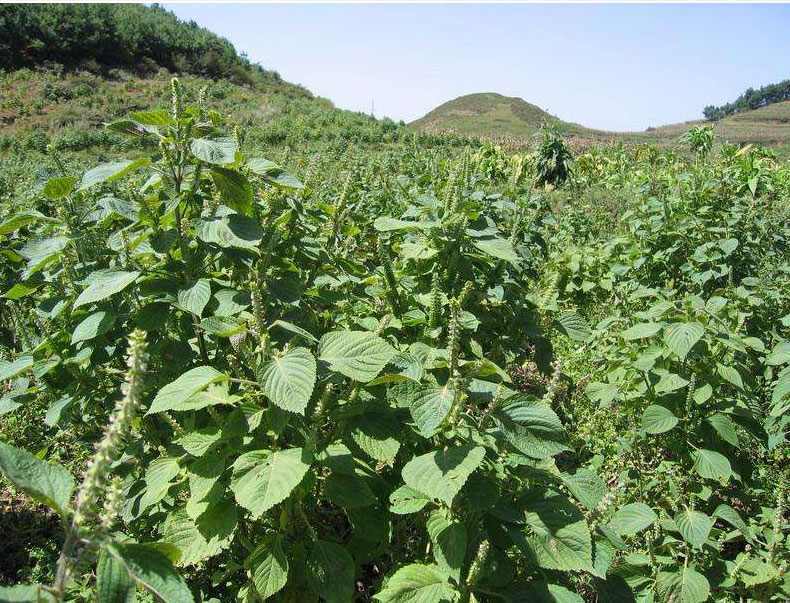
769,126
488,113
491,115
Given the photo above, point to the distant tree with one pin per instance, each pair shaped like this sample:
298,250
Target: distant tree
750,99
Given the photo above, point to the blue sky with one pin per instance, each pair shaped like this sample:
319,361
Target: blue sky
616,67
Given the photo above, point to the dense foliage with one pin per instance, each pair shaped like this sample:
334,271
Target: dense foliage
751,99
131,36
406,372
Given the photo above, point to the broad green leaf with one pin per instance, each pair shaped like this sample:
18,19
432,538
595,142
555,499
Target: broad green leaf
20,290
214,394
21,219
203,475
220,151
377,435
104,285
574,326
131,127
703,394
641,331
442,474
292,328
9,370
157,118
113,582
45,482
632,518
109,172
728,245
57,188
711,464
429,405
8,405
330,572
235,230
25,593
284,180
108,208
498,248
417,583
262,479
449,539
222,326
731,374
288,380
405,500
731,516
94,325
724,427
694,526
670,382
234,189
359,355
586,487
531,427
558,537
757,571
204,538
604,553
175,395
658,419
231,302
269,566
273,173
149,566
195,298
158,478
263,167
685,585
56,410
198,442
387,224
681,337
417,250
779,355
41,253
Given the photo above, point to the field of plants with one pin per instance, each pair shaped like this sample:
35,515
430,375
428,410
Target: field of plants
330,359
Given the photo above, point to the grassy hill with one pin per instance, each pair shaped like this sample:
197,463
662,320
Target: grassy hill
769,126
488,113
491,115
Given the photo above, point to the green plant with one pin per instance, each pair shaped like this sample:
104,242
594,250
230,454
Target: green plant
699,139
552,158
407,375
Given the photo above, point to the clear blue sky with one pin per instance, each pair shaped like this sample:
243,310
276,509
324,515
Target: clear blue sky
616,67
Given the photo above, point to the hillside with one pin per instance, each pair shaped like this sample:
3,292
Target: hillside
485,113
491,115
102,37
769,126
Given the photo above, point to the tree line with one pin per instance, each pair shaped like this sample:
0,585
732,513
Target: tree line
102,36
751,99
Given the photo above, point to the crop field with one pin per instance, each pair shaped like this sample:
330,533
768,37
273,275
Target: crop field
257,348
415,372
